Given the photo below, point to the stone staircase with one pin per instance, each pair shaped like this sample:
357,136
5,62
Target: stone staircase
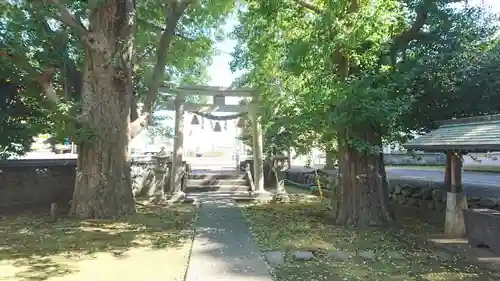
200,181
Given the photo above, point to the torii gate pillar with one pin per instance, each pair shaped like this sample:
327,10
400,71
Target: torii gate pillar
258,164
176,175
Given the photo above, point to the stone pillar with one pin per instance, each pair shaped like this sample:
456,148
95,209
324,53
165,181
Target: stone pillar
160,174
456,201
258,152
279,173
176,173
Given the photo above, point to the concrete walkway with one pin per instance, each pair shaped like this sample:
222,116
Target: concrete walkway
223,249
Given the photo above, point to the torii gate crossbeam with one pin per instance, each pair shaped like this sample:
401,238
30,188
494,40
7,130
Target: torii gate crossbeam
219,94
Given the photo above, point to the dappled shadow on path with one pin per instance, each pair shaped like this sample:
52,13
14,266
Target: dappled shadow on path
223,248
31,248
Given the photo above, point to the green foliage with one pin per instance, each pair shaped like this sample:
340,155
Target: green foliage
323,68
191,50
31,39
20,116
65,125
456,78
159,128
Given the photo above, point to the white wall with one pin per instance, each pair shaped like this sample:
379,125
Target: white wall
483,159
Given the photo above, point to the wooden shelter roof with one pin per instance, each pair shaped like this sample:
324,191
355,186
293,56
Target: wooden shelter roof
472,134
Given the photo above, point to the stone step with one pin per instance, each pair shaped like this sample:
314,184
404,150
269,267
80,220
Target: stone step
211,181
220,188
239,196
217,176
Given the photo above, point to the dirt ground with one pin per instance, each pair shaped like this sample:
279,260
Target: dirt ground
350,254
154,244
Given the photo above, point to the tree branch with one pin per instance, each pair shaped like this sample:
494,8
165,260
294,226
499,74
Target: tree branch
309,6
180,35
159,28
72,76
68,19
173,13
44,78
139,59
400,42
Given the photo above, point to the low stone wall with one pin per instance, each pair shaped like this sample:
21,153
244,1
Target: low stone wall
33,184
417,194
269,179
409,192
414,159
426,198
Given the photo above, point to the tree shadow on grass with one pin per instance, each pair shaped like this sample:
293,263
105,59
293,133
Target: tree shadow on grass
385,254
46,249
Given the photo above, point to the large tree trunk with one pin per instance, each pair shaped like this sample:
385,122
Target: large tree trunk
362,199
103,187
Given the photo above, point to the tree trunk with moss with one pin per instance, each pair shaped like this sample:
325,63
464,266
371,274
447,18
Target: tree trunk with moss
103,187
362,198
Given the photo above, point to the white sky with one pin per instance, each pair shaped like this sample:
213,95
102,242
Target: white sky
493,4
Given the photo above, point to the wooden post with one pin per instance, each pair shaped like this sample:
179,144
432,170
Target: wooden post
456,201
447,170
176,174
258,152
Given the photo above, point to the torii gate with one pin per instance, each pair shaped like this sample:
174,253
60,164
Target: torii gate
219,94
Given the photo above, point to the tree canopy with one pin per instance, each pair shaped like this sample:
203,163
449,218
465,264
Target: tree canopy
93,62
350,75
37,44
400,81
21,118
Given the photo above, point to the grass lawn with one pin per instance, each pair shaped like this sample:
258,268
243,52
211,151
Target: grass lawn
152,245
396,257
415,167
482,168
296,190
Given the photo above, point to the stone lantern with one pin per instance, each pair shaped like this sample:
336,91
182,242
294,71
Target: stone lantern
162,167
